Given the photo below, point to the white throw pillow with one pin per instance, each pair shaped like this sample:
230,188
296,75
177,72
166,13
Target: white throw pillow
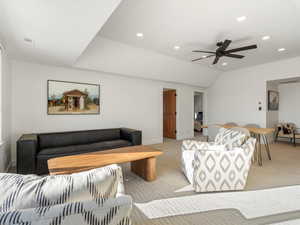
31,191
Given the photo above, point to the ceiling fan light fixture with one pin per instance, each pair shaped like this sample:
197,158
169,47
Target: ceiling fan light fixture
222,51
176,47
224,64
241,18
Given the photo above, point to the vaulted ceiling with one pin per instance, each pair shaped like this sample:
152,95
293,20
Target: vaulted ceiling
200,24
52,31
101,35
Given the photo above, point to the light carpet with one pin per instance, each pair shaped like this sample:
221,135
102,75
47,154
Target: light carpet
251,204
283,170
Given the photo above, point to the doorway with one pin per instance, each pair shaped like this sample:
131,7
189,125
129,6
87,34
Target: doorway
169,113
198,114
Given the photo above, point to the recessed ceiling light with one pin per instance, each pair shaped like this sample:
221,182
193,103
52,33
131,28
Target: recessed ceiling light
241,18
140,35
176,47
281,49
264,38
204,56
224,64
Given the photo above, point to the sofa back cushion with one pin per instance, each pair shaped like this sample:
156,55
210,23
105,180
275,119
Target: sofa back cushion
31,191
52,140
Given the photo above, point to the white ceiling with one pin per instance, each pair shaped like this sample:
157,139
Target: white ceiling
64,32
122,59
60,30
199,24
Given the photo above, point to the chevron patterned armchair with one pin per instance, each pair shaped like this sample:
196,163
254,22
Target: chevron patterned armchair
89,198
222,165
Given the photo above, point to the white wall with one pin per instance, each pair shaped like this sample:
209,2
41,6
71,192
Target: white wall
272,116
128,102
289,108
5,112
234,96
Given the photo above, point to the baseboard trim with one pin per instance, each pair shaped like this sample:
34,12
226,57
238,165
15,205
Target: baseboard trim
153,141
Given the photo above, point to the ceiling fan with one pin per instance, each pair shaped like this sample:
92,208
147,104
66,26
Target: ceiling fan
222,51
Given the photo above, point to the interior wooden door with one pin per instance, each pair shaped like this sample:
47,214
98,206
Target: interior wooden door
169,116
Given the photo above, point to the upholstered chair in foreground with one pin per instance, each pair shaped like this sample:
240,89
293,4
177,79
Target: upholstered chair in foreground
222,165
88,198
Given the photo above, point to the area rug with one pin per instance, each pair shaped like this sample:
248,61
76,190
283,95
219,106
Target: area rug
251,204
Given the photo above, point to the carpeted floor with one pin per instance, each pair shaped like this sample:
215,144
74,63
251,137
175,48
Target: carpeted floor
283,170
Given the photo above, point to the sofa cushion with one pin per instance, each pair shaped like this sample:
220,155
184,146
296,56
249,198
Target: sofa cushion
52,140
31,191
78,149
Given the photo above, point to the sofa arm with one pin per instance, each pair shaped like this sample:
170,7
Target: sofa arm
27,148
134,136
114,211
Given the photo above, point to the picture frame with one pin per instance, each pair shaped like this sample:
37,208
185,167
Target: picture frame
72,98
273,100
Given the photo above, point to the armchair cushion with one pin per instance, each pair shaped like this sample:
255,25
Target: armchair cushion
31,191
222,170
189,147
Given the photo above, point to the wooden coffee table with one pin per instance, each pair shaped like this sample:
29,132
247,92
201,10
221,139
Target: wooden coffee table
142,158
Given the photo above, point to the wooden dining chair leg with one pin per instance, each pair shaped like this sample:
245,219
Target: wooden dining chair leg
267,146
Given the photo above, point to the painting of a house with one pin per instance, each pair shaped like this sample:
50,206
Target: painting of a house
73,98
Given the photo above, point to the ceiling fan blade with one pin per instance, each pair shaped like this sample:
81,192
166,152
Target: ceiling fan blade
216,60
241,49
225,45
204,51
234,56
194,60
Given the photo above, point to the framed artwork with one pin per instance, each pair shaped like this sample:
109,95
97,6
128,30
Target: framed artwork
70,98
273,100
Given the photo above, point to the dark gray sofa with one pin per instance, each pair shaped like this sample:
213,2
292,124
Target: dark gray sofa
33,150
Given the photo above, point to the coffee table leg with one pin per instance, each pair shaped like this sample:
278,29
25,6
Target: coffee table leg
145,168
